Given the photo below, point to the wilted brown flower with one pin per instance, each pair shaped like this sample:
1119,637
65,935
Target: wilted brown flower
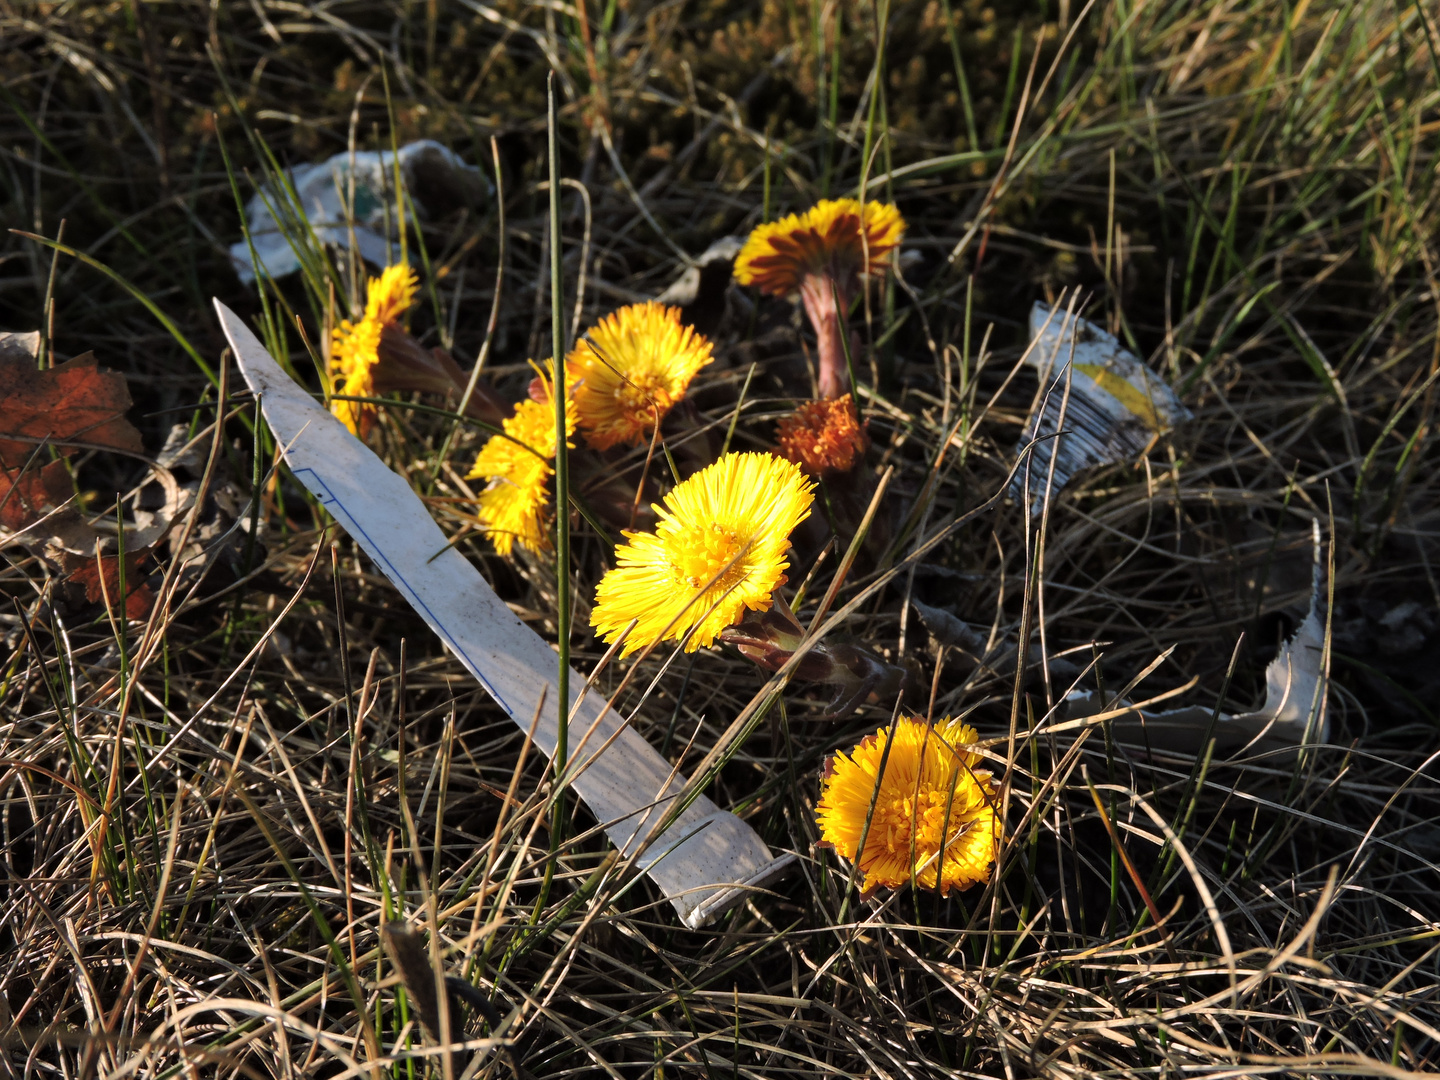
823,437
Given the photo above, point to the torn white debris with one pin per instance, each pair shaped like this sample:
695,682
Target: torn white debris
431,173
1114,407
1294,714
704,292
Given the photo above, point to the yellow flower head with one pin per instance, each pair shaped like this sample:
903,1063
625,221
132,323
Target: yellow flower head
632,367
835,237
354,350
390,296
935,817
718,549
355,346
515,506
823,436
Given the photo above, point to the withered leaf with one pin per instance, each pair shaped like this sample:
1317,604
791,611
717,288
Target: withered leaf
25,496
70,404
947,628
73,402
87,572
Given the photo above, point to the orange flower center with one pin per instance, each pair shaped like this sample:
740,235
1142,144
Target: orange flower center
703,552
895,817
641,394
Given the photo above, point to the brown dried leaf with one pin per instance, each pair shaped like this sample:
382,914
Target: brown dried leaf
74,402
87,572
25,496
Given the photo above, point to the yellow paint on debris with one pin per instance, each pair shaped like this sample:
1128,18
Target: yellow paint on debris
1134,399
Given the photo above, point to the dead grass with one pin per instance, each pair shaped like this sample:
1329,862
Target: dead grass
206,817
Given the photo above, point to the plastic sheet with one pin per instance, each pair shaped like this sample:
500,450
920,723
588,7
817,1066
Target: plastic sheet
1100,405
436,178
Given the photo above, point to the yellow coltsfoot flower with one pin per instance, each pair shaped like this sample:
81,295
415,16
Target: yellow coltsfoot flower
718,550
822,254
355,346
515,505
354,350
630,369
835,237
935,820
391,295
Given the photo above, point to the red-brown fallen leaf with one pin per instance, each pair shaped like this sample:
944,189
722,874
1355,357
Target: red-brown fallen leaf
26,496
86,572
74,402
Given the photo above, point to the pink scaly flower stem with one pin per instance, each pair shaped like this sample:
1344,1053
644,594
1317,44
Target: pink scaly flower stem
818,295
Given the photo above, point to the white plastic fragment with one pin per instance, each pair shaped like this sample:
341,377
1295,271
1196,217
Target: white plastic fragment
430,172
1114,408
708,860
1294,714
688,287
25,345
